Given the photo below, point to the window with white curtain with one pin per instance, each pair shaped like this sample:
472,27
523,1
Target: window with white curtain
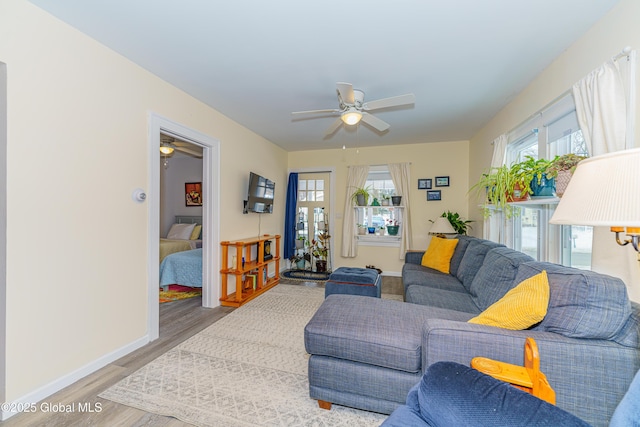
379,185
551,132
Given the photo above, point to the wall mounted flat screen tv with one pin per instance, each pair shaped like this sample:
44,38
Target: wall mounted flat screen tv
260,195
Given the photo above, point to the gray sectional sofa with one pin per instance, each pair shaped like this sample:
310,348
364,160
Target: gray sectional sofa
367,352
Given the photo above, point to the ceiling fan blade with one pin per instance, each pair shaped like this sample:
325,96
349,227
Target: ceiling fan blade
375,122
394,101
346,92
334,127
331,110
186,150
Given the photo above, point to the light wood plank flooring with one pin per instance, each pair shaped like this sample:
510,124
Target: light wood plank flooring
179,320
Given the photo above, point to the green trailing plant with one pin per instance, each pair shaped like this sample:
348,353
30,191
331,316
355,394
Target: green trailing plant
457,222
496,190
361,191
534,168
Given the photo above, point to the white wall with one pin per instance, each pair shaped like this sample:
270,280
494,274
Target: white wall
76,292
619,28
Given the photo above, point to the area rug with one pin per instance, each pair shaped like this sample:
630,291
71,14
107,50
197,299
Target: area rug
247,369
178,292
303,275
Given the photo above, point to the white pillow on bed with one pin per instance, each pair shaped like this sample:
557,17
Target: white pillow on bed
181,231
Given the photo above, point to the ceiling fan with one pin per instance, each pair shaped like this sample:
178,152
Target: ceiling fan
352,108
168,144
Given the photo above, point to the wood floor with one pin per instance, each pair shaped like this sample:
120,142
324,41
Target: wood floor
179,320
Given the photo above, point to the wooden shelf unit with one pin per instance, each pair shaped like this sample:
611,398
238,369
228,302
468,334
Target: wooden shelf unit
252,265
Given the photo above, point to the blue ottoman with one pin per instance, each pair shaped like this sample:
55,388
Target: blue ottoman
354,281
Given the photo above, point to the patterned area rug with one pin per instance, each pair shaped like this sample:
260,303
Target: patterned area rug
178,292
247,369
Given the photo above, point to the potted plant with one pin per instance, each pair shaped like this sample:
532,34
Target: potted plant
298,260
361,196
460,225
541,183
320,250
386,200
362,228
497,187
300,241
562,168
392,227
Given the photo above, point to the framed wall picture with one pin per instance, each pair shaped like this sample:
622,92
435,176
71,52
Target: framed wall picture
193,193
434,195
442,181
424,184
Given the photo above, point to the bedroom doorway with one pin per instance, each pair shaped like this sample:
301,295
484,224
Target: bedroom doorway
210,212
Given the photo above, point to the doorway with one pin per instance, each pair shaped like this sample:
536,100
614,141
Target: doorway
210,213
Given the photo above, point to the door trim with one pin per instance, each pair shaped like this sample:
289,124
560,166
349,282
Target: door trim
210,214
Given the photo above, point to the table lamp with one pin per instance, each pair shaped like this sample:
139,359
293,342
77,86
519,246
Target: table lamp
441,227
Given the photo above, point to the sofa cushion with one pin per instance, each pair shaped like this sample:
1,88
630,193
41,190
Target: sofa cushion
472,260
378,332
461,247
439,253
496,275
422,276
582,303
441,298
521,307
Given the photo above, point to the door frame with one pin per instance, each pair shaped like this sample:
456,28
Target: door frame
210,214
331,170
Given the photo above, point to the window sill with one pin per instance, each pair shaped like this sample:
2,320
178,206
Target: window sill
374,240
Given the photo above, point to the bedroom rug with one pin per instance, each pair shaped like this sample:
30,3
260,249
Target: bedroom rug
304,276
247,369
178,292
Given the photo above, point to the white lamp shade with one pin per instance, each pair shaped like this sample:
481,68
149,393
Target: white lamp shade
442,226
604,191
351,117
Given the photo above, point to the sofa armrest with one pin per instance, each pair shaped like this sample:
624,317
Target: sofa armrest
413,256
568,363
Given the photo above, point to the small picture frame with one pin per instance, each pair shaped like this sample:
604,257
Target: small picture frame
193,193
442,181
434,195
424,184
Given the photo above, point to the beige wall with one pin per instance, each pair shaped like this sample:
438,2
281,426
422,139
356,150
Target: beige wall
604,40
427,161
77,148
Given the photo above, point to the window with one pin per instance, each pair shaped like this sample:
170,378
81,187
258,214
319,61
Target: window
555,131
376,218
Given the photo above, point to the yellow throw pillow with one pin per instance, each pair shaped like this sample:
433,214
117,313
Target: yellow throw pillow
195,234
521,307
439,253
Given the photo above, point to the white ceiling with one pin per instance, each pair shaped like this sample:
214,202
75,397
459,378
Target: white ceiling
257,61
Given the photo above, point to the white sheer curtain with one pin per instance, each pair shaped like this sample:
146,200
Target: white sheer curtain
601,106
401,177
492,226
601,109
356,178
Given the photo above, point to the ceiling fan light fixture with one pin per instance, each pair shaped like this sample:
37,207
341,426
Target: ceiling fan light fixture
166,149
351,116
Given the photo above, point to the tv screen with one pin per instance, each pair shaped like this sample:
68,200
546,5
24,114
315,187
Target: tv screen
260,197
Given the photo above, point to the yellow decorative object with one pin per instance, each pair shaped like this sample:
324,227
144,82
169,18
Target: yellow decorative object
439,253
521,307
195,234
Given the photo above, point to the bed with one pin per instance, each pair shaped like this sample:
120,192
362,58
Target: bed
184,235
182,268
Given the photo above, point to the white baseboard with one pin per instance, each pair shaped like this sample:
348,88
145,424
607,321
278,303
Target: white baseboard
10,409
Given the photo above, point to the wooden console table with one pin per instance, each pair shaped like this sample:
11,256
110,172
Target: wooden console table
251,273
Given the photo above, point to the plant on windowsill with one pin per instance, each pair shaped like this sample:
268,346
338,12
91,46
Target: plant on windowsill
361,196
562,168
536,171
362,229
496,190
392,227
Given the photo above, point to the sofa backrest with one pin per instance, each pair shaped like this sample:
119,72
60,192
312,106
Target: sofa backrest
496,276
583,304
472,260
458,253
